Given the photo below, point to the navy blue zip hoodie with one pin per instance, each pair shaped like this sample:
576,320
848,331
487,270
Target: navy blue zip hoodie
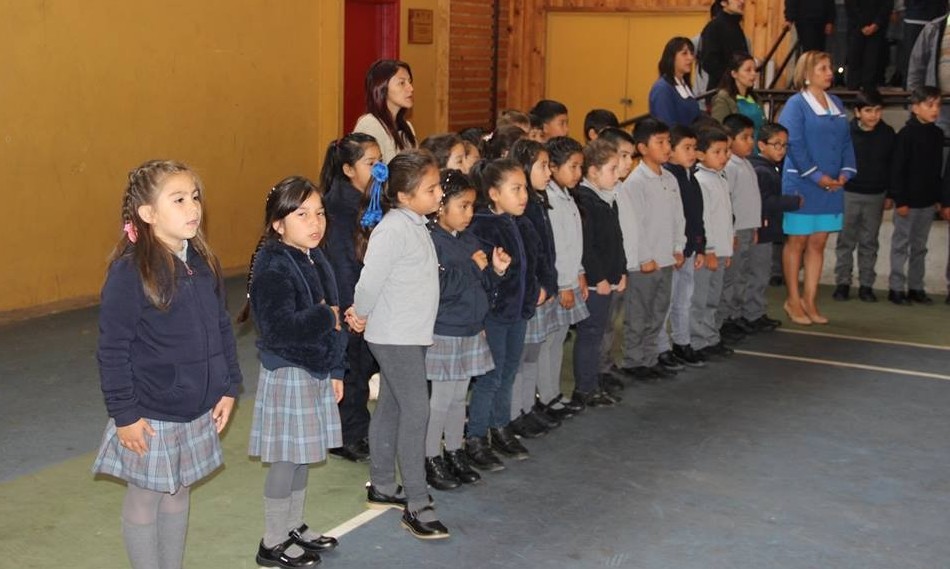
604,258
537,213
464,289
774,204
517,295
692,196
168,365
342,204
291,296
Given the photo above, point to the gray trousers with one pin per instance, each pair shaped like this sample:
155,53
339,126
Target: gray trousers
758,271
645,303
397,431
909,247
610,332
446,416
735,278
549,365
862,223
707,292
678,313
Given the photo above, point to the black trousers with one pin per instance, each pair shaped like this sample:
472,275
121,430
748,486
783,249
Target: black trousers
864,56
354,416
811,35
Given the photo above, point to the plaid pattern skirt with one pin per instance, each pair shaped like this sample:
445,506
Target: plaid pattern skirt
543,323
296,418
574,315
454,358
179,454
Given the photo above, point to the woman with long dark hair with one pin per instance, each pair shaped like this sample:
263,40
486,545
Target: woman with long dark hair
388,100
736,92
671,99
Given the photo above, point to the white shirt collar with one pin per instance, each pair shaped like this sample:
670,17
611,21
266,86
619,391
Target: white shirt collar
816,106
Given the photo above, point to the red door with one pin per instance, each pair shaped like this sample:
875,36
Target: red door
371,32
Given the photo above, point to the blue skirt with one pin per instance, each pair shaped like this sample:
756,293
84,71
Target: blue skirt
808,223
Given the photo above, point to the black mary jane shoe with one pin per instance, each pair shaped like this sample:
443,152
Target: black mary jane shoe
318,545
277,557
379,501
423,530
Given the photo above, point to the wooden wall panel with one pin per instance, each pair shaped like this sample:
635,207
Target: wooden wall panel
471,63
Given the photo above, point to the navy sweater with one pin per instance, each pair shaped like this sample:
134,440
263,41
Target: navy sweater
874,152
342,204
774,204
604,258
517,294
168,365
692,196
464,289
918,157
537,213
291,296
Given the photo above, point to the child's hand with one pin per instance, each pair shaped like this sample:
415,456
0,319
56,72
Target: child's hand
648,267
133,437
336,314
728,262
222,411
566,298
582,282
603,288
337,385
699,261
623,283
542,296
712,261
903,210
500,260
679,259
888,203
945,213
355,323
481,259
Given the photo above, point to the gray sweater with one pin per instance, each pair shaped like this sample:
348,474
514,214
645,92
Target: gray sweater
398,290
717,211
651,217
568,236
744,192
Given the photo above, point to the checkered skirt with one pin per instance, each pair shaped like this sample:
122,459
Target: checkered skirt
179,454
542,324
574,315
455,358
296,418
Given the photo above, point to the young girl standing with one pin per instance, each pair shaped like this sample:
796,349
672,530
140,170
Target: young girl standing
293,298
350,168
459,351
167,360
396,302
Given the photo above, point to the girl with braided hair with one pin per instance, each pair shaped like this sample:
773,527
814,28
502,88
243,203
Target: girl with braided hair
167,360
293,298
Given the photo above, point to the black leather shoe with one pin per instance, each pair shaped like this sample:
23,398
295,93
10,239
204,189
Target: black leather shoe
571,405
439,476
423,530
556,410
669,361
379,501
541,418
459,466
640,373
526,428
841,292
763,324
354,452
277,557
721,350
919,296
480,454
611,383
600,398
866,294
898,297
743,326
730,333
504,441
317,545
686,354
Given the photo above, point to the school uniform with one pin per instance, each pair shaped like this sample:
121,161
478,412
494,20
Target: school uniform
673,102
170,367
651,216
603,260
295,414
707,285
864,203
915,183
747,219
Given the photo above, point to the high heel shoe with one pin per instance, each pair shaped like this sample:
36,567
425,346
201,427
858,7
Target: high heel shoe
803,320
815,317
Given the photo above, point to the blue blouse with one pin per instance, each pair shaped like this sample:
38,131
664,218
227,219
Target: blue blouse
667,105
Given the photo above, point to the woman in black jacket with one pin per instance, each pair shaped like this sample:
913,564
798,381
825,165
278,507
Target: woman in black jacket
722,37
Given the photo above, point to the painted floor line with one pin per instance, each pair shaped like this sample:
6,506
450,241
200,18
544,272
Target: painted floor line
863,339
355,522
866,367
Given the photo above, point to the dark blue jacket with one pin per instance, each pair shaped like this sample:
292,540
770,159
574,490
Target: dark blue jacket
342,204
774,204
916,176
604,258
168,365
537,213
291,296
692,196
517,294
667,105
874,152
464,289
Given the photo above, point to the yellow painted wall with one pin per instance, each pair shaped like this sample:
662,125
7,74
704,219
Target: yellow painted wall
245,91
429,64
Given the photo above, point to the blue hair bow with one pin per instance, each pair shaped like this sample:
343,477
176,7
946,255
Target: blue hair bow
374,211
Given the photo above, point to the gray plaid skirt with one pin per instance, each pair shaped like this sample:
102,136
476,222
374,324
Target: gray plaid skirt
454,358
179,454
543,323
296,418
574,315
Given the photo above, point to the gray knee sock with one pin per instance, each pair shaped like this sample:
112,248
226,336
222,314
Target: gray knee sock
172,528
424,516
140,527
277,498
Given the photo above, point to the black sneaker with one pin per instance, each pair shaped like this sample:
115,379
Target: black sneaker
898,297
686,354
460,467
919,296
866,294
541,418
731,333
481,455
841,292
764,324
525,428
669,361
611,383
505,442
439,476
719,350
743,326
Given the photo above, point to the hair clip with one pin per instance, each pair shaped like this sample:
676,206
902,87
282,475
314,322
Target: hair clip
130,232
374,211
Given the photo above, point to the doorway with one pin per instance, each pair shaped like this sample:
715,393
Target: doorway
371,32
